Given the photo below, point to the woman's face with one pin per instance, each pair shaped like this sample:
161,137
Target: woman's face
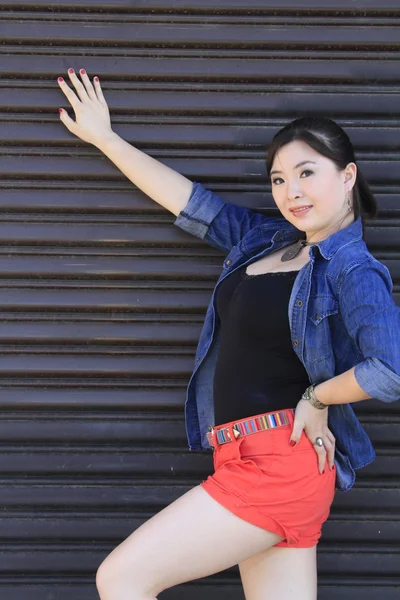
316,183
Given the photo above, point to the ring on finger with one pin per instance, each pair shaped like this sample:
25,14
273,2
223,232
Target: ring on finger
319,442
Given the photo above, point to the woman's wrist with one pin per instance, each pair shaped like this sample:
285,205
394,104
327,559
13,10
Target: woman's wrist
311,397
106,140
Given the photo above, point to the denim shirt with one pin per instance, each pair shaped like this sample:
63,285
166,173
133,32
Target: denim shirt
341,314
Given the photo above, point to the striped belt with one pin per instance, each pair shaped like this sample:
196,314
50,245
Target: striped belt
255,424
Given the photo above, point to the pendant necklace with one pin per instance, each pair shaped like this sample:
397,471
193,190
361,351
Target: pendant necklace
293,251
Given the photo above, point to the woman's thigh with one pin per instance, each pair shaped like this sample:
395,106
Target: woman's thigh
280,574
191,538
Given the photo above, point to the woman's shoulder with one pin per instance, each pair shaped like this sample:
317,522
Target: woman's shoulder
355,255
356,259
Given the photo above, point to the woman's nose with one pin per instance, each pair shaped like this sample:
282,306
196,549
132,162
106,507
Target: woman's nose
294,191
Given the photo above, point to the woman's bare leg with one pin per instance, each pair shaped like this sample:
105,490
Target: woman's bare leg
191,538
280,574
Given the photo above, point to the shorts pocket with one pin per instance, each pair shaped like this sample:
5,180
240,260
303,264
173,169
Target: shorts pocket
240,475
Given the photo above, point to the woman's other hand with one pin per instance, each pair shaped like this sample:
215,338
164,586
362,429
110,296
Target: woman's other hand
92,116
315,423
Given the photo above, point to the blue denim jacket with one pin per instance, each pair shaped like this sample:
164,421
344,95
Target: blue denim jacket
341,314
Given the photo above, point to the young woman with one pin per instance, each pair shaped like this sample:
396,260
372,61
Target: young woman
299,301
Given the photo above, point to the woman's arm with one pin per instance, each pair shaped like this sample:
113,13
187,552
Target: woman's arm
162,184
341,389
199,211
372,319
93,125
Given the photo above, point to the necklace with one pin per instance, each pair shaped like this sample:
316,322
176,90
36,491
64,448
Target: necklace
293,251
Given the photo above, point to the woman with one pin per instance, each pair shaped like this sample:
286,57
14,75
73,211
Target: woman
280,445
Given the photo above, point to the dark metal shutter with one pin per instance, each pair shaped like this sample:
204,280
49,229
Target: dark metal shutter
103,299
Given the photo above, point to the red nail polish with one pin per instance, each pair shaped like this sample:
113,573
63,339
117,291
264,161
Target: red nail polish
96,78
60,110
70,70
60,80
292,443
82,72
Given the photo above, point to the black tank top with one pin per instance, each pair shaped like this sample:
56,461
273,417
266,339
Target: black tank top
257,369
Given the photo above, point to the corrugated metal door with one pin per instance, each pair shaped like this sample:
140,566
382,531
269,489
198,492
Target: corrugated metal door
103,299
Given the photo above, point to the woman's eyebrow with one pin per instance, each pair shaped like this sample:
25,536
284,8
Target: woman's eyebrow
304,162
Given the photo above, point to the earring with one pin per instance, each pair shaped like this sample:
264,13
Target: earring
349,202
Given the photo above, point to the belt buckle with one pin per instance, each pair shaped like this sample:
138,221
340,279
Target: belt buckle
209,436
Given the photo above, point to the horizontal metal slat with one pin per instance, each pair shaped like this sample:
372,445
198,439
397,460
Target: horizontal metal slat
234,6
132,493
112,462
198,136
188,35
110,528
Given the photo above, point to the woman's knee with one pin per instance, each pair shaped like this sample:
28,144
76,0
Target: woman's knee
106,576
123,576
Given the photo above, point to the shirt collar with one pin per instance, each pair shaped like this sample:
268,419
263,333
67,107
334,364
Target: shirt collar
330,245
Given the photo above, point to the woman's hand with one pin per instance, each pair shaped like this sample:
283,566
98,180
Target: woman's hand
315,423
91,111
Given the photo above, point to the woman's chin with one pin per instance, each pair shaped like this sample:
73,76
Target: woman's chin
299,225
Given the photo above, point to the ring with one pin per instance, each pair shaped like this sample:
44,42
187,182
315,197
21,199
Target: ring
319,442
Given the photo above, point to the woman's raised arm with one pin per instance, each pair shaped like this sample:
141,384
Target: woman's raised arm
93,125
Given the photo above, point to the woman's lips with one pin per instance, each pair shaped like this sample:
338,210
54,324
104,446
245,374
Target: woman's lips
302,212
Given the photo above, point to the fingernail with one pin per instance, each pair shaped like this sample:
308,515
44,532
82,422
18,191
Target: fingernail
82,72
60,80
323,472
96,78
60,110
292,443
70,70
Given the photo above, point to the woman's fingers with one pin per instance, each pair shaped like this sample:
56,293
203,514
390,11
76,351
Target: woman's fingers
321,453
330,443
88,90
315,423
69,123
99,91
78,85
70,94
327,451
92,118
88,85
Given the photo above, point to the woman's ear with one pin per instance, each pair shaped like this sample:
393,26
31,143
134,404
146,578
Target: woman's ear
350,173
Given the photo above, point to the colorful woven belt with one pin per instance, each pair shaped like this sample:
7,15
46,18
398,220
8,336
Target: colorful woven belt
251,425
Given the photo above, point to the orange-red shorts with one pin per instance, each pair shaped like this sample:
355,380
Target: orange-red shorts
264,480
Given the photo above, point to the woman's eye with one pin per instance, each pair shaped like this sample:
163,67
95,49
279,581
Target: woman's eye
305,171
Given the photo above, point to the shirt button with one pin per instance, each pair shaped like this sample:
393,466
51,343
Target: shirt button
300,303
317,315
296,342
199,358
278,236
228,262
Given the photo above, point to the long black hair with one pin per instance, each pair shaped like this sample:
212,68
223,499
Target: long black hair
329,139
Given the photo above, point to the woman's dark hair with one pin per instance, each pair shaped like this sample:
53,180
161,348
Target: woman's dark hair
329,139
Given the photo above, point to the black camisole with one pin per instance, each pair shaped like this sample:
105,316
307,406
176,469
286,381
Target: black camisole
257,369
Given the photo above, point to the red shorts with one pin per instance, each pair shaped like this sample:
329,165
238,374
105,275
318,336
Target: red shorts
264,480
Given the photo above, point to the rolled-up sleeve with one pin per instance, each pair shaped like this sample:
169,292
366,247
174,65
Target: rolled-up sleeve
372,319
221,224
